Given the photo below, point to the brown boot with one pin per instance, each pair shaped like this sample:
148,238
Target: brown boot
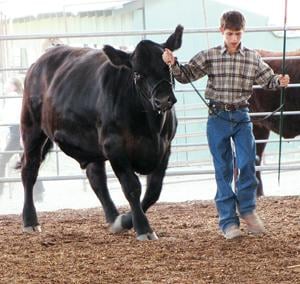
232,232
254,223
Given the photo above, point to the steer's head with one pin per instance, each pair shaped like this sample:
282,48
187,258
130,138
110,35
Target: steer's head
150,74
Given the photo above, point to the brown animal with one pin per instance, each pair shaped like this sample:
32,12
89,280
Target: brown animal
268,101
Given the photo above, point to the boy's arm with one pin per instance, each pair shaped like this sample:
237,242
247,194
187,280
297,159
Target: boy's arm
193,70
267,79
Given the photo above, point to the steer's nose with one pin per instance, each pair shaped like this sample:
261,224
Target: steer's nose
164,103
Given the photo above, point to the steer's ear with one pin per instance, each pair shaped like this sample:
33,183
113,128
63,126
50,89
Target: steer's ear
175,39
117,57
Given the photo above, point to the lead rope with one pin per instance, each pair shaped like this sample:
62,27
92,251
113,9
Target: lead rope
213,110
171,76
205,102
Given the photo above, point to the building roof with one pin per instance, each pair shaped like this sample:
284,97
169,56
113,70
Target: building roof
19,8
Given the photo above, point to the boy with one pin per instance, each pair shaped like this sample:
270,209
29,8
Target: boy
232,69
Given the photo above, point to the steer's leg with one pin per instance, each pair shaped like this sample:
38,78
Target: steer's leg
131,187
153,190
33,140
98,181
260,133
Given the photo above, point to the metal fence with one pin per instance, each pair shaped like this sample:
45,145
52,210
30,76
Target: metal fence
60,167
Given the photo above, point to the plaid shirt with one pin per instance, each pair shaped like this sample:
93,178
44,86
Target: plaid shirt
230,76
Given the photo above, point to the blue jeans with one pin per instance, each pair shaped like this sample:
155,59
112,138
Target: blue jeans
221,134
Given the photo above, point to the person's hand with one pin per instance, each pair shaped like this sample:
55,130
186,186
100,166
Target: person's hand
168,57
284,80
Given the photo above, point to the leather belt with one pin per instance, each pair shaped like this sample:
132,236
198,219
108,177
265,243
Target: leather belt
228,107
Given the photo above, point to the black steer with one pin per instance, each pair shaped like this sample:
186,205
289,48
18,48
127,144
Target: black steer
99,105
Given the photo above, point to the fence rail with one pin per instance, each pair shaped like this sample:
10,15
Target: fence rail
170,172
136,33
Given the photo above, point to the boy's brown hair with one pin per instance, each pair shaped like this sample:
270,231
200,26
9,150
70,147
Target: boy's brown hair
233,20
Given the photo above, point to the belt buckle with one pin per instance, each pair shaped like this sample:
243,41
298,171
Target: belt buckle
226,107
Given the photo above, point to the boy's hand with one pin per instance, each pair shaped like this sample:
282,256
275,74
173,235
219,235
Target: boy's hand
168,57
284,80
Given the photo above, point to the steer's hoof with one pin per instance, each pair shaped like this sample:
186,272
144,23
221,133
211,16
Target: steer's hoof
32,229
116,227
147,237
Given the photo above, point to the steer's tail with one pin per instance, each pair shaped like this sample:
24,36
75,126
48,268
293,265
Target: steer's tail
45,150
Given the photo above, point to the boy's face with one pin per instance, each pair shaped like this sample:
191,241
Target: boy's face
232,38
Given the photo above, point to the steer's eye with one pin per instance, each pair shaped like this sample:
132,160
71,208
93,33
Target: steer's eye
137,76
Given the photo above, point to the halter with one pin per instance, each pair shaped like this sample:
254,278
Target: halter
137,76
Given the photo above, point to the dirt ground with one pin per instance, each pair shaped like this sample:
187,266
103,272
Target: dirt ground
75,247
